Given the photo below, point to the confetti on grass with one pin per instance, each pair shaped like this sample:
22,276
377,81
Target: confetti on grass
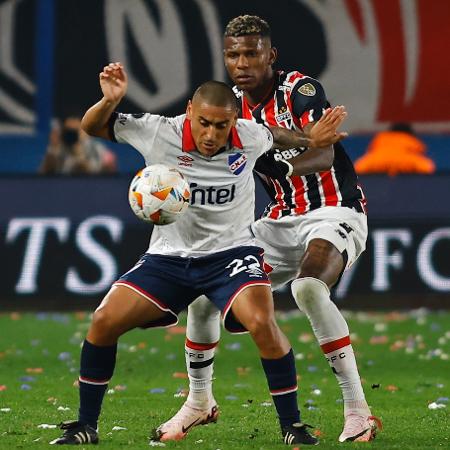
157,391
435,405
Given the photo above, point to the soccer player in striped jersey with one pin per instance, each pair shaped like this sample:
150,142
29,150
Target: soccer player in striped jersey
314,229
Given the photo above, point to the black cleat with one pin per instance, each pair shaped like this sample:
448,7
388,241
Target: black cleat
298,434
76,433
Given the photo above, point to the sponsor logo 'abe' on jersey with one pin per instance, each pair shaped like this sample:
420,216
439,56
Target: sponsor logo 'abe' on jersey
298,100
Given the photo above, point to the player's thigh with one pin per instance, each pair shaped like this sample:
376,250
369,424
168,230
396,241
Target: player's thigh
123,309
254,307
334,239
163,282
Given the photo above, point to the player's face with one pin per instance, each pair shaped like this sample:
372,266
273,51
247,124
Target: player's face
249,60
210,125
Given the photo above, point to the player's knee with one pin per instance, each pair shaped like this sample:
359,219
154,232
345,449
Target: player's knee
262,324
308,291
104,324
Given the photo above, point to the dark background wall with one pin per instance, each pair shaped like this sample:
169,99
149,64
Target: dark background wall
64,240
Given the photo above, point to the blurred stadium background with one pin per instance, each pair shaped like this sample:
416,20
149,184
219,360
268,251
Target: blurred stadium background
63,240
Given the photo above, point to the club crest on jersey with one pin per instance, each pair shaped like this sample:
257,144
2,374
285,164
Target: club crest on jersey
283,114
237,162
307,89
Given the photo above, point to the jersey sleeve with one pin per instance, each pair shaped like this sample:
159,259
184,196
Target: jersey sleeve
308,101
264,138
138,130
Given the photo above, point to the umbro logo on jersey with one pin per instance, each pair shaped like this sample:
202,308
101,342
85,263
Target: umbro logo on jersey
185,160
237,162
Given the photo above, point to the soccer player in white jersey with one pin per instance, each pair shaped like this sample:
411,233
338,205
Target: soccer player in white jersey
208,251
313,230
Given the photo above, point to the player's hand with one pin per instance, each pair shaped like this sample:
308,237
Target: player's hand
114,82
325,132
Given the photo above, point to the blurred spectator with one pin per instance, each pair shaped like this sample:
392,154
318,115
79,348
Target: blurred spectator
395,151
72,152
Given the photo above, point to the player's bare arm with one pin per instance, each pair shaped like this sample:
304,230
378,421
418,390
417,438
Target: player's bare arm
113,83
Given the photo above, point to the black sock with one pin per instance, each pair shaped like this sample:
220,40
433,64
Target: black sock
282,380
96,369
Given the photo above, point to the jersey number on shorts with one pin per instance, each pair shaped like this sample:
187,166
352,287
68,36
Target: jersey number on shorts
250,264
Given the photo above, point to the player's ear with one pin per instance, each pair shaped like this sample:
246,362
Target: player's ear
273,55
189,110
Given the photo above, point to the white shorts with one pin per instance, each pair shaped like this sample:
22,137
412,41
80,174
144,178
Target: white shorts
285,240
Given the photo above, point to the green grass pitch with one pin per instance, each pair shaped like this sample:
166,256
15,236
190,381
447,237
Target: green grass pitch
403,360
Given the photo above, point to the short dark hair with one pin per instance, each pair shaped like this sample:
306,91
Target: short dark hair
247,25
216,93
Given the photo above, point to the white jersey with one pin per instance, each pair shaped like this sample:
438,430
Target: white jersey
222,187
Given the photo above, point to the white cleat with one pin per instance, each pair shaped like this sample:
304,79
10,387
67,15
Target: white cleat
183,421
359,428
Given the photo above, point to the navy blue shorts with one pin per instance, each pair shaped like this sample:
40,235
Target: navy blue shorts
174,282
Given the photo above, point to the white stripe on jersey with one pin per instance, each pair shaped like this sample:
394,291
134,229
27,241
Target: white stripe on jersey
336,185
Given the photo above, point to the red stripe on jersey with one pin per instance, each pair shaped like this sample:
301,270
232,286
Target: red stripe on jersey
246,112
335,345
274,212
299,199
329,189
294,77
269,111
305,119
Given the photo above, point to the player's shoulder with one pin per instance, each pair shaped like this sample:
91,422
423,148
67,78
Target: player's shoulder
298,82
251,133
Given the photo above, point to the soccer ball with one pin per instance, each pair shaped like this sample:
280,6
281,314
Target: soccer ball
159,194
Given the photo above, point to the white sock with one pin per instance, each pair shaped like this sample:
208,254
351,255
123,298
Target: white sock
330,328
202,336
199,362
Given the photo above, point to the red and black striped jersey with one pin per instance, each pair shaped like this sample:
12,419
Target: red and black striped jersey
295,101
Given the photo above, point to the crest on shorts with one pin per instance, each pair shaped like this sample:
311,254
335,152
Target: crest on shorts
307,89
237,162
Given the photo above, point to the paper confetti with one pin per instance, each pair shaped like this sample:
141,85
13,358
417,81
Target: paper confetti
27,379
182,375
156,444
3,387
235,346
157,390
63,408
5,409
46,426
117,428
34,370
435,405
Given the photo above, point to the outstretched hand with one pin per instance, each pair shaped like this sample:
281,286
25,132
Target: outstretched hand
113,82
325,132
